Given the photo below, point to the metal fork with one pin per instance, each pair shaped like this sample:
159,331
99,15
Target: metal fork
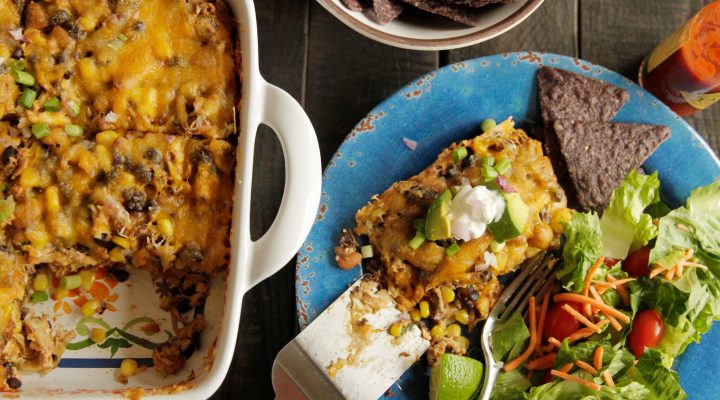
535,278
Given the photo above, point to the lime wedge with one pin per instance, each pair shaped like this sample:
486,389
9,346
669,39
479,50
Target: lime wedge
455,377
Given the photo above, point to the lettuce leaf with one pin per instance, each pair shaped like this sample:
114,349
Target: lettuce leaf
625,225
510,386
509,337
582,247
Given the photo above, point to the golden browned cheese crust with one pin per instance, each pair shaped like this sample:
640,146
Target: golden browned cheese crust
158,66
9,20
422,274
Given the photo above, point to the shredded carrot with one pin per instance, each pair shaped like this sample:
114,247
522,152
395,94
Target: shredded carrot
587,367
547,348
613,282
584,299
562,375
588,278
608,379
615,324
693,264
621,289
679,269
566,368
656,271
511,365
584,332
603,289
554,342
670,274
542,362
541,322
581,318
689,253
598,358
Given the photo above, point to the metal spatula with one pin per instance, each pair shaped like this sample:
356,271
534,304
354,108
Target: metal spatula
353,346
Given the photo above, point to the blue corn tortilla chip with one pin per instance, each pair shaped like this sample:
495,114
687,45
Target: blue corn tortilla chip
387,10
456,13
477,3
358,5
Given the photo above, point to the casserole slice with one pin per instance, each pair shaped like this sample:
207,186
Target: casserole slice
9,21
455,280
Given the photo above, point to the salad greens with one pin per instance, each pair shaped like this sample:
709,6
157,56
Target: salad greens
688,303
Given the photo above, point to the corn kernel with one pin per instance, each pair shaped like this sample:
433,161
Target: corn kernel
59,294
453,330
88,278
464,342
37,238
121,241
128,367
98,335
106,138
29,177
462,316
116,255
415,315
104,158
396,329
166,227
41,282
90,307
448,295
52,199
437,331
424,309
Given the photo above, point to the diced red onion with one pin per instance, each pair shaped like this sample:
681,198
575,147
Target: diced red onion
110,117
411,144
17,34
505,185
169,138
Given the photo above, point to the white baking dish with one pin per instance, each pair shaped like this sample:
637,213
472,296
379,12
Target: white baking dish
91,372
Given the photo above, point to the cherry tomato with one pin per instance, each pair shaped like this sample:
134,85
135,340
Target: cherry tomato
636,263
559,323
647,330
610,262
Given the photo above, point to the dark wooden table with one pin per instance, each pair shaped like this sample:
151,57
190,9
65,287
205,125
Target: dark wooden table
339,75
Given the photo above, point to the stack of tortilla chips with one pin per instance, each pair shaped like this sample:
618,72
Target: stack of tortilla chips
463,11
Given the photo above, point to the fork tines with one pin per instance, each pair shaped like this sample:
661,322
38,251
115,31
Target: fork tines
534,279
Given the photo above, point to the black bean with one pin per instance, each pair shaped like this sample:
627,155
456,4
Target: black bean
133,200
9,155
468,161
153,155
75,32
120,274
17,53
201,155
118,158
191,255
59,17
103,242
82,248
138,26
182,304
68,74
152,206
13,383
59,58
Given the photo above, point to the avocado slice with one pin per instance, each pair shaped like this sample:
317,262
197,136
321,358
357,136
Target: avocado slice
437,223
514,218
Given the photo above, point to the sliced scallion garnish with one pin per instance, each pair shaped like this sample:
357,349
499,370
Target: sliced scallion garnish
452,249
27,97
417,241
459,154
39,297
52,104
22,77
367,251
74,130
503,165
40,130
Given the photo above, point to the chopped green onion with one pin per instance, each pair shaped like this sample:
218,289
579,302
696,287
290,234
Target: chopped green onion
496,247
459,154
69,282
19,65
487,161
503,165
122,38
417,241
74,130
27,98
488,173
22,77
52,104
419,225
366,251
39,297
74,108
40,130
452,249
487,124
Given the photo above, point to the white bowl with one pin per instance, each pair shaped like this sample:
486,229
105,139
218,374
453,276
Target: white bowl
425,31
89,373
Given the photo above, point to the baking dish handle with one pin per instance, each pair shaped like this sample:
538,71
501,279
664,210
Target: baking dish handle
301,196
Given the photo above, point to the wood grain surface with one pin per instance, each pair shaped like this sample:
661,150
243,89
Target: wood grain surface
339,75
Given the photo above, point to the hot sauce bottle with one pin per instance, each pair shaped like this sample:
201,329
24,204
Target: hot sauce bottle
684,70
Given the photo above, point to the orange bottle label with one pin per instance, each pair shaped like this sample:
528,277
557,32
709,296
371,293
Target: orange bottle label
700,101
670,45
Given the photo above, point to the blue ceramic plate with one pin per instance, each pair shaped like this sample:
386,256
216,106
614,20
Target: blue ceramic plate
448,105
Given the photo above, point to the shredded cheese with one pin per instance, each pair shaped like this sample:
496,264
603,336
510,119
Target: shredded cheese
588,279
571,378
587,367
598,358
511,365
584,299
581,318
608,379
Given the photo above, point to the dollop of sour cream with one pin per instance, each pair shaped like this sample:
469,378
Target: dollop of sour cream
472,209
